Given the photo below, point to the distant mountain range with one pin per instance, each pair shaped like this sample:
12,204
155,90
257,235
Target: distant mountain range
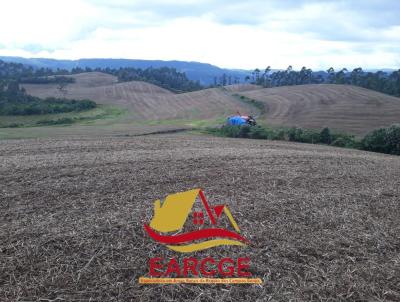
202,72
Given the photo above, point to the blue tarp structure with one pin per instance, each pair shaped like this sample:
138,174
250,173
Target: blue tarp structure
236,121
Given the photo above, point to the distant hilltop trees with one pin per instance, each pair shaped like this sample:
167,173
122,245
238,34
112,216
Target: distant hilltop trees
15,101
168,78
173,80
386,82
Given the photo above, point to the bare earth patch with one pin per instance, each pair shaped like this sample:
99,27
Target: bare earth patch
324,222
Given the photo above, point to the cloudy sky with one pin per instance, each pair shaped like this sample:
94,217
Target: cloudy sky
227,33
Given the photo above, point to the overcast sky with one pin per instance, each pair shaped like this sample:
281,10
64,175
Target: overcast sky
234,34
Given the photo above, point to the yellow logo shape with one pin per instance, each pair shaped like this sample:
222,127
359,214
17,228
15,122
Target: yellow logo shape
174,211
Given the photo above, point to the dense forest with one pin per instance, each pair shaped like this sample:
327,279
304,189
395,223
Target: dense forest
386,82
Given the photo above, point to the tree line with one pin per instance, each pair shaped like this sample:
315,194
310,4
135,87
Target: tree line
168,78
382,140
385,82
225,79
15,101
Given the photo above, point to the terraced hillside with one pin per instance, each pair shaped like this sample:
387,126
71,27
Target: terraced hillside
145,101
342,107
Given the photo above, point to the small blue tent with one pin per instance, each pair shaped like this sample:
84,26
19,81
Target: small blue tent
236,121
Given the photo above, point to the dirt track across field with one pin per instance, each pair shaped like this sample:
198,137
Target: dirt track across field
323,222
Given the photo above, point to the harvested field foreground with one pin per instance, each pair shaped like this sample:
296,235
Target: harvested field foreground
324,222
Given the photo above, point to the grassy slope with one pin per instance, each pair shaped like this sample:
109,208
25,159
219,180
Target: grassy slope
89,116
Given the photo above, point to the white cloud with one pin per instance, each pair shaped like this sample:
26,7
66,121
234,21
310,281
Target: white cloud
314,34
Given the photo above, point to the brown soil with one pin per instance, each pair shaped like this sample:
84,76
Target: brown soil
340,107
145,101
324,222
343,108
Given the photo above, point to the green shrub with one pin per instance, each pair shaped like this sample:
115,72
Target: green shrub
47,80
279,134
343,140
32,106
231,131
393,139
61,121
384,140
339,142
325,136
310,136
258,132
244,131
12,125
293,134
296,134
375,141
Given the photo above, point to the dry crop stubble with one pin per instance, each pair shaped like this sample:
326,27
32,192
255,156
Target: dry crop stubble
146,101
346,108
323,221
